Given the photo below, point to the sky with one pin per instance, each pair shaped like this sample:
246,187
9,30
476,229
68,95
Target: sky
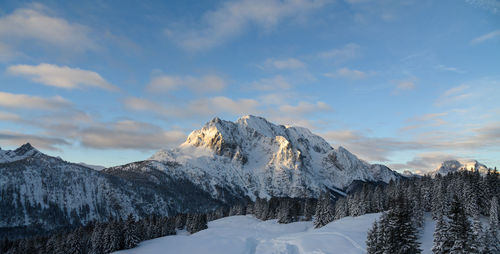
405,83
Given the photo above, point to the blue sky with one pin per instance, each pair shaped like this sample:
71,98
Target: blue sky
405,83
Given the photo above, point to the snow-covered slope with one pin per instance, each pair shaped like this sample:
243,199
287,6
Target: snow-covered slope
246,234
20,153
43,192
261,159
455,165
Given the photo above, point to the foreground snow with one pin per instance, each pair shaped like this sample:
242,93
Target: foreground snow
246,234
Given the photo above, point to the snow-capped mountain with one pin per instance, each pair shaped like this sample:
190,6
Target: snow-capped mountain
20,153
260,159
40,193
455,165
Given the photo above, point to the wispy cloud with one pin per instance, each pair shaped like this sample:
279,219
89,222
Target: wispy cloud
448,68
339,55
24,101
40,141
486,37
283,64
36,23
168,83
454,95
61,76
232,18
128,134
424,162
268,84
369,148
6,116
349,74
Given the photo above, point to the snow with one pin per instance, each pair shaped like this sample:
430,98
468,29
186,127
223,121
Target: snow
456,165
427,234
248,235
258,158
20,153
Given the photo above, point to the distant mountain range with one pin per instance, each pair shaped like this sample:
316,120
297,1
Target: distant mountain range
220,164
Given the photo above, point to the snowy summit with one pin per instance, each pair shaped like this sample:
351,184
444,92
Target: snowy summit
262,159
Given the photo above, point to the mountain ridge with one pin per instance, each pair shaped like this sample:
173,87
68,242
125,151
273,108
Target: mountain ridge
263,160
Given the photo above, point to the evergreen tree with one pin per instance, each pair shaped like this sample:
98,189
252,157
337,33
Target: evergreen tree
131,233
400,234
341,209
476,241
325,211
492,237
284,212
309,209
459,229
372,240
440,245
97,239
111,240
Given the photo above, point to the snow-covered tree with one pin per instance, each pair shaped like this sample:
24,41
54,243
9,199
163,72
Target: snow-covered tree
459,228
131,234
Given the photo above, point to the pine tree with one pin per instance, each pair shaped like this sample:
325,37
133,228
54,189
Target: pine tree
131,233
309,209
97,239
111,240
325,211
372,240
476,241
440,245
341,209
73,244
459,230
400,234
284,213
492,237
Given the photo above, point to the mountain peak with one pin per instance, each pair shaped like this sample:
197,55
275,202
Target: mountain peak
460,165
22,152
263,159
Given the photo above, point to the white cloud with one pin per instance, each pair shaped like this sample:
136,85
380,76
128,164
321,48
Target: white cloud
129,134
455,95
486,37
284,64
303,108
448,68
36,24
369,148
267,84
166,83
233,17
6,116
39,141
406,85
349,74
343,54
24,101
201,107
424,162
61,76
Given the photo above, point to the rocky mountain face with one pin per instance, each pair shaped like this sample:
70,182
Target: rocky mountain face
455,165
260,159
40,193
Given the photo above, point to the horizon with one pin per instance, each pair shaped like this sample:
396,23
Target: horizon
405,84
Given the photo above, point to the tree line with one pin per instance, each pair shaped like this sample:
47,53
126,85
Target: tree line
449,199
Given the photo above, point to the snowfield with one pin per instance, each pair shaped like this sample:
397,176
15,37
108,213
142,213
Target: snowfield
248,235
